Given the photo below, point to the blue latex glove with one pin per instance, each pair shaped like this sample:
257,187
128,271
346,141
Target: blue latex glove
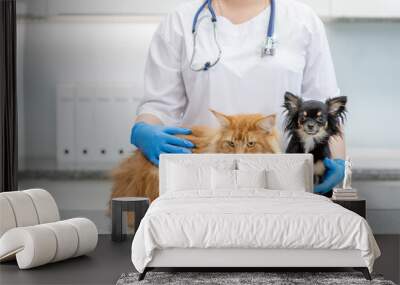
334,174
153,140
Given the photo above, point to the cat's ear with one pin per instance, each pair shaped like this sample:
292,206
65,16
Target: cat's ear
222,119
292,103
267,123
337,105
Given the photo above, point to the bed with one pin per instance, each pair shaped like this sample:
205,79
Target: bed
247,211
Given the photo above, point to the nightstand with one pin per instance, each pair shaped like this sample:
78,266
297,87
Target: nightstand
357,206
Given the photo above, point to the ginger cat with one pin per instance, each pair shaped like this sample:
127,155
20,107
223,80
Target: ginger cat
245,133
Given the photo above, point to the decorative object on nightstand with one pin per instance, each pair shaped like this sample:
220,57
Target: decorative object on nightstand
347,174
347,196
138,205
346,192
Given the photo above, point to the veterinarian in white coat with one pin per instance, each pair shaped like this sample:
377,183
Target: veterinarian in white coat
242,81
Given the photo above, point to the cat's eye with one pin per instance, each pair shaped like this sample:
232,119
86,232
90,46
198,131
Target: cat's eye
251,144
231,143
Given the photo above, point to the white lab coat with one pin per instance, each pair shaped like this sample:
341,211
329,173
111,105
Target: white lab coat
243,81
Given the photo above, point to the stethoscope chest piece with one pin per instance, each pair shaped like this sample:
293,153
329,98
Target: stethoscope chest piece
269,48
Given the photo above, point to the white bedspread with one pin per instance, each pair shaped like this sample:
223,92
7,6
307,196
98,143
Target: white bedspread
250,219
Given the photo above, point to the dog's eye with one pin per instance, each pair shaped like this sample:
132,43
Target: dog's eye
320,120
251,144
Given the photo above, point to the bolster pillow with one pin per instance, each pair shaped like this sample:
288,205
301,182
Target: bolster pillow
26,208
40,244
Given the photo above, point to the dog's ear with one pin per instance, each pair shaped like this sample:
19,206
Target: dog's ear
292,103
337,106
222,118
267,123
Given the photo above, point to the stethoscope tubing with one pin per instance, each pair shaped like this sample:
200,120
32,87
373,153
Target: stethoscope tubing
208,64
208,3
271,22
196,16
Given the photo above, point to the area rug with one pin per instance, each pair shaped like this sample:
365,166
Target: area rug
244,278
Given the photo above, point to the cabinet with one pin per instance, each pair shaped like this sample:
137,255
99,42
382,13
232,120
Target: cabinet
125,106
94,7
355,8
66,153
107,7
84,127
321,7
35,8
366,9
94,123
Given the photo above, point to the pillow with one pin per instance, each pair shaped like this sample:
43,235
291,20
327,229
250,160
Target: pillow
223,179
236,179
283,173
293,180
182,177
251,178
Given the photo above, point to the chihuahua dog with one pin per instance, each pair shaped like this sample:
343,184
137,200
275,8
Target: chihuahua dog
310,124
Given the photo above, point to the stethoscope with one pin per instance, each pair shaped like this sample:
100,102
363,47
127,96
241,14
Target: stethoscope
268,48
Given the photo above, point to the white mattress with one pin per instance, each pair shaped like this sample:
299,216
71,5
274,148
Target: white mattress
253,218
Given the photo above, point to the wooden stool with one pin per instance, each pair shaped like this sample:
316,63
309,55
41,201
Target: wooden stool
138,205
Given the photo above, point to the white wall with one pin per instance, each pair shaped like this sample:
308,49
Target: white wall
367,64
113,50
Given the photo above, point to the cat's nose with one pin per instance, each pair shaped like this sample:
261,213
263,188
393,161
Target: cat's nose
240,150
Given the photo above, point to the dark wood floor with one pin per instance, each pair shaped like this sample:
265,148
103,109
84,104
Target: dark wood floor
110,260
103,266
